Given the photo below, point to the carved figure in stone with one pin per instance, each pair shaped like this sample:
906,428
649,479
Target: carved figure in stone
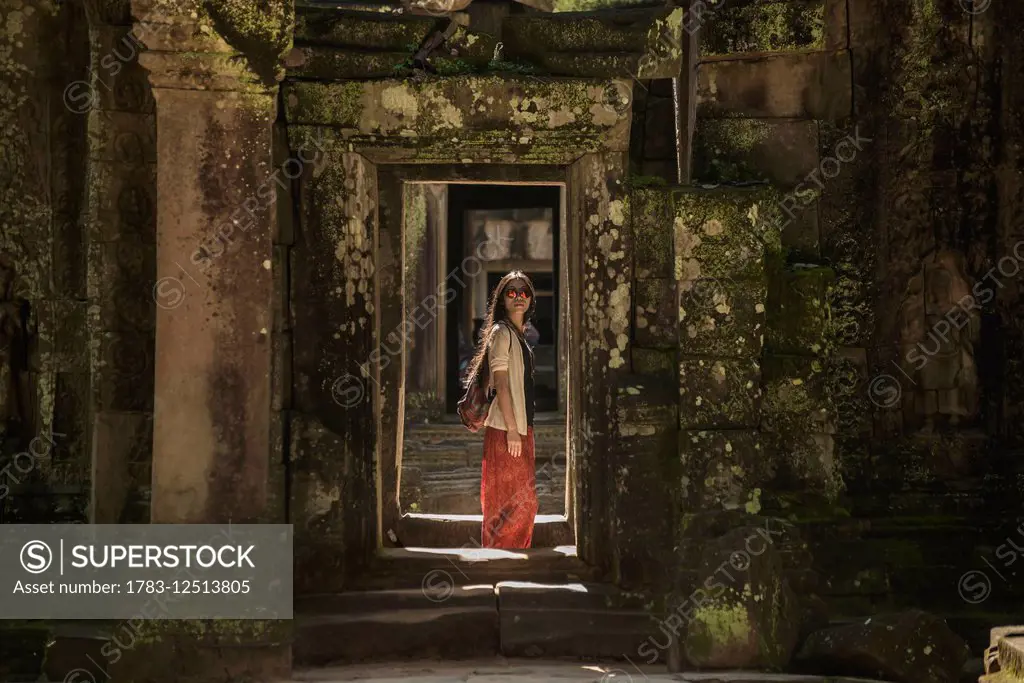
940,323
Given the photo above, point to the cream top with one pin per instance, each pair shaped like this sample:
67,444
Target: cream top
506,355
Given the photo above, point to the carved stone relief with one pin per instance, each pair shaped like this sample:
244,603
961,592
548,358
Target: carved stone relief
939,326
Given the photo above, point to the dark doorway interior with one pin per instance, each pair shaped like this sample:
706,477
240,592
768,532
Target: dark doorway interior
471,208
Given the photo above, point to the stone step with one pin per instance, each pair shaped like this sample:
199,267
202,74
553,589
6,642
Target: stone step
463,531
581,620
502,670
440,619
409,568
377,625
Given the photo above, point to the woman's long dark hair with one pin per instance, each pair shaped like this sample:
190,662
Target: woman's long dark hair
496,312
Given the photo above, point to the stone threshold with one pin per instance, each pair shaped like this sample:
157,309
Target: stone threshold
406,567
511,670
463,531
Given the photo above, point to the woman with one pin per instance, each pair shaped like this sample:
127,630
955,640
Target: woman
507,492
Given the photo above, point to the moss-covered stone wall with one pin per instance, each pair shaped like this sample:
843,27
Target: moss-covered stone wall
898,202
884,141
46,382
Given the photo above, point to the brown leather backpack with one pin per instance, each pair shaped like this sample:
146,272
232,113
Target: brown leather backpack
476,402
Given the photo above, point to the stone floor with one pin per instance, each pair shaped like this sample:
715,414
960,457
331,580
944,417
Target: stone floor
502,670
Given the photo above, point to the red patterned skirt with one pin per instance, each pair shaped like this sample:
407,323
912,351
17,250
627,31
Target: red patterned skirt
508,492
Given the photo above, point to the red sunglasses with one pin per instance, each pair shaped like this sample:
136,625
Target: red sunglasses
512,293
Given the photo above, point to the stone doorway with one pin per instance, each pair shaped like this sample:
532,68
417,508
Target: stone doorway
458,240
418,419
375,139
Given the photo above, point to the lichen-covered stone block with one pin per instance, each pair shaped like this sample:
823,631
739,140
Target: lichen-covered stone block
654,362
814,85
470,46
624,31
62,335
608,273
764,27
796,397
806,462
743,150
724,469
332,64
261,31
644,453
724,233
383,32
798,316
333,293
655,320
467,118
747,615
317,501
642,401
638,43
719,394
848,387
722,318
653,235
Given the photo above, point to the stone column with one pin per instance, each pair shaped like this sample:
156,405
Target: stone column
215,221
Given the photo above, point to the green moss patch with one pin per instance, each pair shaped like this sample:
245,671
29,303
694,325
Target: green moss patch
262,31
360,30
764,27
725,232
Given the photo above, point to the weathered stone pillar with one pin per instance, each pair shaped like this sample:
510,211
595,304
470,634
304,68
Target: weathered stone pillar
598,202
215,219
213,77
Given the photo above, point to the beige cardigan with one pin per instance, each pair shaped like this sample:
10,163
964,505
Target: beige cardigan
502,358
